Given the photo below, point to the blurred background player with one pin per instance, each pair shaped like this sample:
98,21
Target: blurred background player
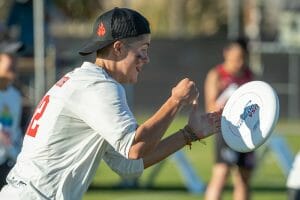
220,83
10,107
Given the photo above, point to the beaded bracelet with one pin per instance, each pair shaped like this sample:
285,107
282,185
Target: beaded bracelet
187,138
190,136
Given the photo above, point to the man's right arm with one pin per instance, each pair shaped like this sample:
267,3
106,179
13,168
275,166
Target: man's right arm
149,134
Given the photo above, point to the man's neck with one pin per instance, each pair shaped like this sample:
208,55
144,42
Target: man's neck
110,68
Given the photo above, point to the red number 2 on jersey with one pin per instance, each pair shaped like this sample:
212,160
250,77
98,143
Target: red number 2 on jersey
39,111
33,126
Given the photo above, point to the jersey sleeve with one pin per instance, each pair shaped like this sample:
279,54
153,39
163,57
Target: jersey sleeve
126,168
103,107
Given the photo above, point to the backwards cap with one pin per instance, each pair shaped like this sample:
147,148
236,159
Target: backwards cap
113,25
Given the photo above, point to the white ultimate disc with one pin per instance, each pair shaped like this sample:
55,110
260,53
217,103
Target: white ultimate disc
250,116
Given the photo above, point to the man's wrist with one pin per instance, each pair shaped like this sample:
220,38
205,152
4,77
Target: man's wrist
191,133
189,136
178,102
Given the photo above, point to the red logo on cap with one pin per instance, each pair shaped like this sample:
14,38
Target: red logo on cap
101,30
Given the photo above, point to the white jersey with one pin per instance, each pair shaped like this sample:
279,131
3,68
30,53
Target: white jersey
81,120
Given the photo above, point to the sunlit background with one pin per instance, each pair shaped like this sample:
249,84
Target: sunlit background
187,40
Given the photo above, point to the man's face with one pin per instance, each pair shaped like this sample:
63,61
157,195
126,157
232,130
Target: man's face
234,58
135,56
7,70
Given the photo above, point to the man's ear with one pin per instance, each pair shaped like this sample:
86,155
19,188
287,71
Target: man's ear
118,48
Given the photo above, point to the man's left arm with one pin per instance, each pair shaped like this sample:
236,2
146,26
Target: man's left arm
202,125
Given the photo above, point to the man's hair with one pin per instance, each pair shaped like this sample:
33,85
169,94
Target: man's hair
132,40
103,53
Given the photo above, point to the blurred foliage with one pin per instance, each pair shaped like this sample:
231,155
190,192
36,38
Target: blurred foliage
79,9
167,17
175,18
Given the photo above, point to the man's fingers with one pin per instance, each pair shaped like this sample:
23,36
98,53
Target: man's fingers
208,123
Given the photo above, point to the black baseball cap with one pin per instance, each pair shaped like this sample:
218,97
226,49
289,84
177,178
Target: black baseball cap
113,25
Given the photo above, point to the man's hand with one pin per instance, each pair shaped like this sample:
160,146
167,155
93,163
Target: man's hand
185,92
204,124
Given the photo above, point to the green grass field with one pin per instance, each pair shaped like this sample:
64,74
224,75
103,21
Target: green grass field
268,182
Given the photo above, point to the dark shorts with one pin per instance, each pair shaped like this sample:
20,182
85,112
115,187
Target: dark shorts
225,154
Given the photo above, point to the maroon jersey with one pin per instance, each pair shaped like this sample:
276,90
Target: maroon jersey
226,78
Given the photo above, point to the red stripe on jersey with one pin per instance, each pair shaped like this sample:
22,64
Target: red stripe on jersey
62,81
38,113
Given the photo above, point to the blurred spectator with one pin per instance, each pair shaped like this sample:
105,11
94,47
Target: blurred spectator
10,108
220,83
21,24
293,181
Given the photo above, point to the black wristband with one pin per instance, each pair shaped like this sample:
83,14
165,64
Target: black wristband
192,135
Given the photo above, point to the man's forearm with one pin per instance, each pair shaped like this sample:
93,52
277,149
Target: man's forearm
149,134
165,148
199,126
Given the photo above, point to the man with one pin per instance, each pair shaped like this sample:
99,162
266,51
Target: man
84,118
10,107
220,83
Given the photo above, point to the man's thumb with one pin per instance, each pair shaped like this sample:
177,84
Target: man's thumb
195,105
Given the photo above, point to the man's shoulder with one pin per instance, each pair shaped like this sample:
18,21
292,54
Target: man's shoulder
94,79
91,73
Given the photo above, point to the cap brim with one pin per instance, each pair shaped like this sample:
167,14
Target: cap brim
11,47
93,46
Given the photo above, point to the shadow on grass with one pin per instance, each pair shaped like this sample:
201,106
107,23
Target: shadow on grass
256,189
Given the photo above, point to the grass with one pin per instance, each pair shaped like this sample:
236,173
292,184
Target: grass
267,183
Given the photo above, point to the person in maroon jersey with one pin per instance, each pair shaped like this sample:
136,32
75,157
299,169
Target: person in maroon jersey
220,83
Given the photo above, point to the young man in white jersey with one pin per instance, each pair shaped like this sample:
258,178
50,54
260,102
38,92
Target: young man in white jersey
84,118
10,107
